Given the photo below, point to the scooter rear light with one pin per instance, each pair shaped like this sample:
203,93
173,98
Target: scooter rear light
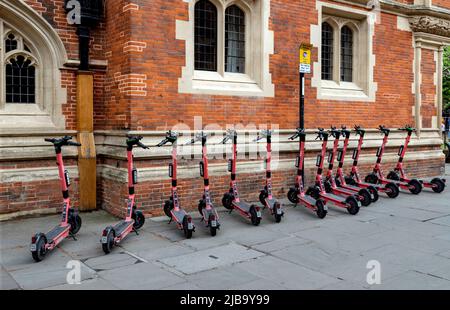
189,219
257,209
33,239
105,233
213,217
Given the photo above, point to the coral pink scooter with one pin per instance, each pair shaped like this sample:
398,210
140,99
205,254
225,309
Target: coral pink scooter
135,219
70,224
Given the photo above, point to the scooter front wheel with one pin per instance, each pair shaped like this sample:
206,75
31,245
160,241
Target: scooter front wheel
262,197
371,178
293,195
168,208
392,175
438,185
366,197
139,219
39,254
75,224
415,187
109,244
392,190
349,180
352,205
227,201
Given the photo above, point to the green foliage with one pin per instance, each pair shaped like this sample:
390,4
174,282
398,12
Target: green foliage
446,79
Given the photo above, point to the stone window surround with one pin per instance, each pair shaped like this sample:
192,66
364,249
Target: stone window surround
50,55
362,22
259,46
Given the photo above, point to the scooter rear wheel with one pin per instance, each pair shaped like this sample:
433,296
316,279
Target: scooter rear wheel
75,224
439,185
293,195
107,247
321,212
392,190
187,231
40,252
352,205
254,216
277,216
367,198
374,193
139,219
415,187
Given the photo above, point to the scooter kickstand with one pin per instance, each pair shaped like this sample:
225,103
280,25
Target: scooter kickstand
73,236
135,230
170,221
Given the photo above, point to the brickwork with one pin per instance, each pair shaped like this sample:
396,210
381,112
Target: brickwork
428,88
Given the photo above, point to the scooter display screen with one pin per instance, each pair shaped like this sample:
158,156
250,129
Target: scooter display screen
319,159
170,170
67,178
135,176
339,155
330,157
230,165
400,150
297,162
355,154
202,169
379,151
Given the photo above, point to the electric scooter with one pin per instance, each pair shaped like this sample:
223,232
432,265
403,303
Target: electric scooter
390,188
340,177
70,224
398,174
205,206
363,195
377,176
318,191
297,194
172,206
266,197
134,219
231,198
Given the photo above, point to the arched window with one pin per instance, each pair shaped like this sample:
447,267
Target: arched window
327,51
234,40
346,54
20,80
205,36
19,70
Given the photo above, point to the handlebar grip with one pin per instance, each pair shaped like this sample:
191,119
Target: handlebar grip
142,145
73,143
48,140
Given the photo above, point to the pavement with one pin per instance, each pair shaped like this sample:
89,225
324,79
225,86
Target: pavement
401,243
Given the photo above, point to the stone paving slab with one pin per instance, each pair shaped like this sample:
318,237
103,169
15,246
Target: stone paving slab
413,280
210,258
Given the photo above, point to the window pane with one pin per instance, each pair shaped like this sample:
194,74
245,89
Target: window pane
20,81
327,52
234,40
346,54
10,43
205,36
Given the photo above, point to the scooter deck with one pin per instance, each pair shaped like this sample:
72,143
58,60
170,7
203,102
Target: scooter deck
120,227
308,199
377,186
55,232
243,206
333,197
180,214
352,187
271,202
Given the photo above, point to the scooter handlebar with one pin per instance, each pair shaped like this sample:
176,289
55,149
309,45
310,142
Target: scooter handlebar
408,128
320,134
64,141
297,134
383,129
359,130
163,142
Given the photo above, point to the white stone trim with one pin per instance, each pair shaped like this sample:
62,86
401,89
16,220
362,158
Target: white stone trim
363,23
20,214
257,81
26,175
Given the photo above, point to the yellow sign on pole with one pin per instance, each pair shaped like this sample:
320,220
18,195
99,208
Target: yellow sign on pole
305,58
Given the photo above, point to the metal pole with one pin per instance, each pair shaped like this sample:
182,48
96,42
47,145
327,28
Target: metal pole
302,101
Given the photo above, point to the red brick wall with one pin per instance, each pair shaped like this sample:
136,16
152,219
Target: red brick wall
442,3
161,62
428,87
